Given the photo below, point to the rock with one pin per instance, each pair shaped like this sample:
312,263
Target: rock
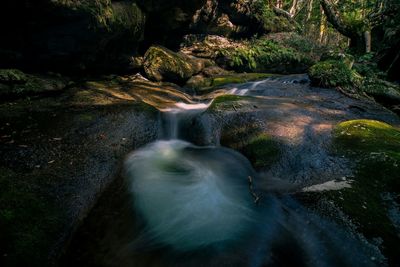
383,91
70,35
207,46
12,76
136,62
14,83
373,146
198,81
162,64
213,71
226,18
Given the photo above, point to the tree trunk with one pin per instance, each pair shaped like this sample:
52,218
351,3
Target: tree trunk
322,28
293,9
309,10
367,38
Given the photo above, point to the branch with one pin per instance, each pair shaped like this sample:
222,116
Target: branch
281,12
333,16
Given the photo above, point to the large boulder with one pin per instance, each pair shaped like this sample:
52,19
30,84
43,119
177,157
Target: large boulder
69,35
162,64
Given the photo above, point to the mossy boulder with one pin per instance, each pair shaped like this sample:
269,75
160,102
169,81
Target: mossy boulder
12,76
14,83
162,64
70,35
381,90
371,198
334,73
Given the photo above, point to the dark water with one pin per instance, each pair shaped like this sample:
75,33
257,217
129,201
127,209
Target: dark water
177,204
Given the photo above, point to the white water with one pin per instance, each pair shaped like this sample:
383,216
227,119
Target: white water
188,197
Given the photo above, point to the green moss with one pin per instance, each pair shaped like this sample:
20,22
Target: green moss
261,150
238,78
223,100
334,73
375,149
12,76
263,55
15,83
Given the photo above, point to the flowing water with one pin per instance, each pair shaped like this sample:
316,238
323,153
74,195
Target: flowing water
184,205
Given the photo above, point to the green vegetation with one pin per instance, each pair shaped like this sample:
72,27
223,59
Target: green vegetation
263,55
269,21
12,76
334,73
238,78
15,83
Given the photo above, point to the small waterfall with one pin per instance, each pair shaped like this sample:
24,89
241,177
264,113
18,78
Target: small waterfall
172,118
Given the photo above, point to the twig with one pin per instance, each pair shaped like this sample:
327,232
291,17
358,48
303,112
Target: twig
252,192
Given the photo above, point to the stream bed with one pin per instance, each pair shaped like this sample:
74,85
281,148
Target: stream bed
176,203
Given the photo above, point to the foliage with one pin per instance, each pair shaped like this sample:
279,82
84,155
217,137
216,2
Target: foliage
260,55
269,21
12,76
334,73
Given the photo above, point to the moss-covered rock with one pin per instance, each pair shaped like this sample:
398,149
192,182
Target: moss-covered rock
162,64
12,76
14,83
264,55
381,90
374,148
71,35
334,73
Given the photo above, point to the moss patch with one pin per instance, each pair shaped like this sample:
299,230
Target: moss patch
224,100
248,138
205,85
262,150
375,148
238,78
264,55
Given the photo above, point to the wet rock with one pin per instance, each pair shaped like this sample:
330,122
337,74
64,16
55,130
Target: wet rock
381,90
58,154
373,146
